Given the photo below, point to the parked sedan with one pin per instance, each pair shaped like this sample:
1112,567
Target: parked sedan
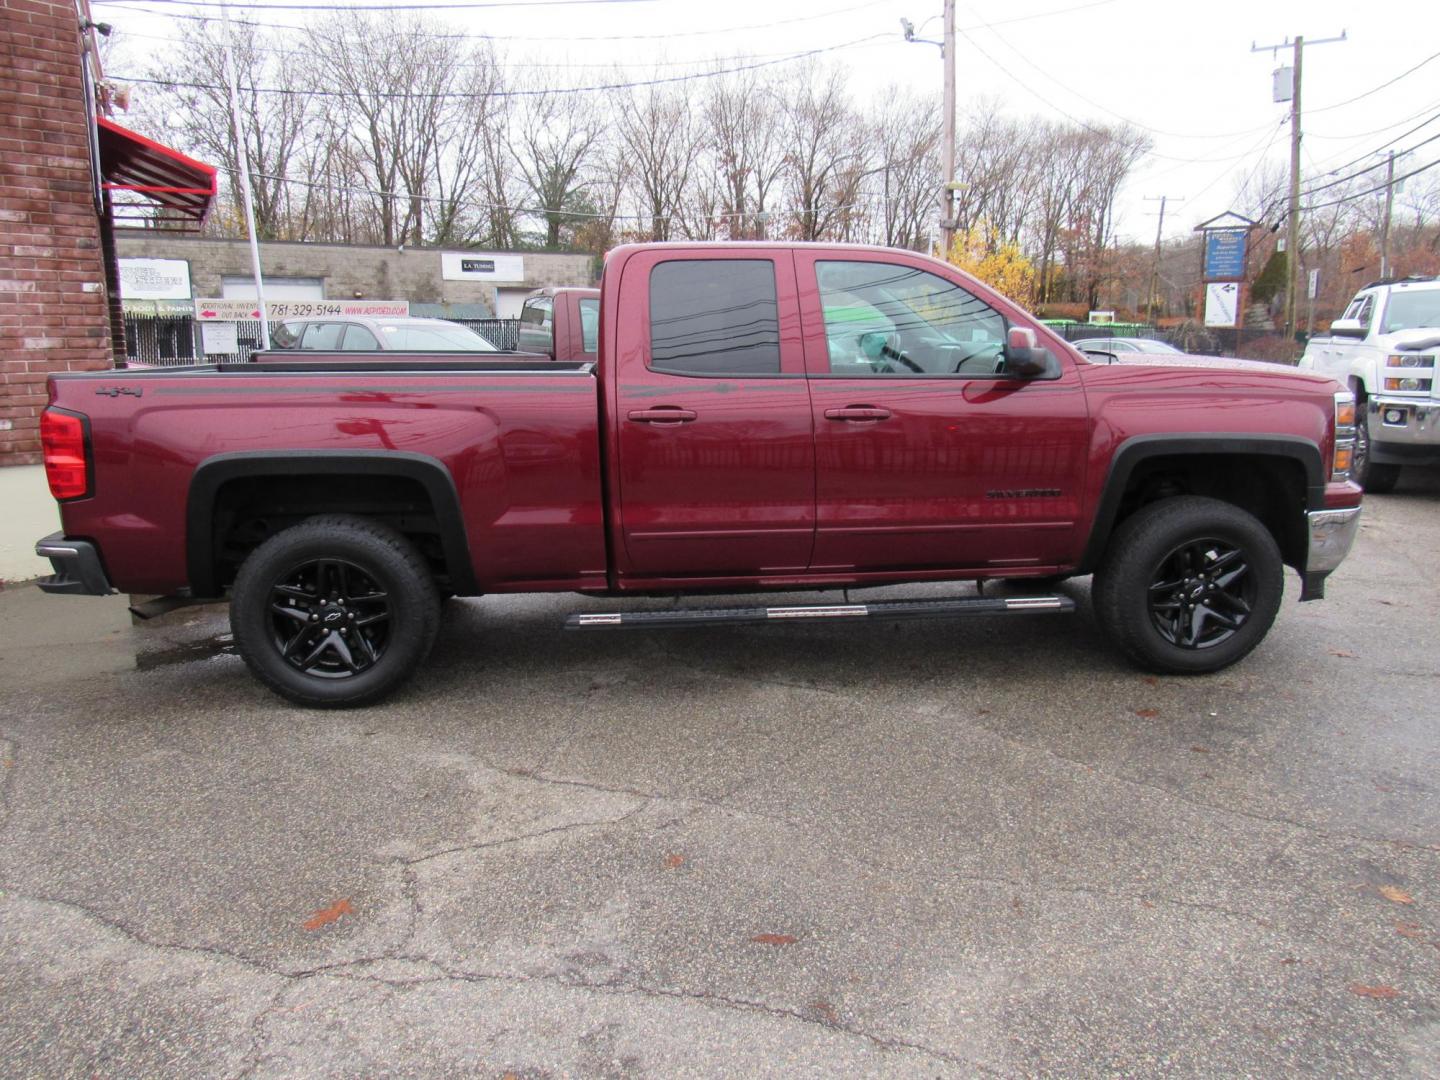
354,333
1120,346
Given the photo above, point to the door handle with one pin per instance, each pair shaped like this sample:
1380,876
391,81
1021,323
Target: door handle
661,414
858,413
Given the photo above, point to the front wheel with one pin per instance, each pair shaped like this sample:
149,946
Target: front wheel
1375,478
1189,585
335,612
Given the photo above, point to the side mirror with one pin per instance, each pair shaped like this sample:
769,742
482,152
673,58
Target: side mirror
1352,328
1023,358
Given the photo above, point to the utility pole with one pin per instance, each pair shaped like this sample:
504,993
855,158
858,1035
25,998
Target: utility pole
947,198
243,160
947,150
1292,232
1389,204
1155,266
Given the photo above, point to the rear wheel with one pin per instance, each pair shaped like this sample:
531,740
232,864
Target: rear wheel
1189,585
1375,478
335,612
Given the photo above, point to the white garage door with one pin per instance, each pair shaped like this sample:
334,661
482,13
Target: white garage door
295,288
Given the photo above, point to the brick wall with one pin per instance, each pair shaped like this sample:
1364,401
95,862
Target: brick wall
378,273
52,294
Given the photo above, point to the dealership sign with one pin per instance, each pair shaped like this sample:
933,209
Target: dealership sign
214,310
482,266
154,279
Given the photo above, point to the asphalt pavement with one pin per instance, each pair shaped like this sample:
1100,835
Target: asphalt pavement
971,848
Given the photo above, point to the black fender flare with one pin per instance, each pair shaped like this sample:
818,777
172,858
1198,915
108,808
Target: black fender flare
1140,448
214,472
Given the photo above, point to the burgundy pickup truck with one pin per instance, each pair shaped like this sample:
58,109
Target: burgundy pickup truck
759,417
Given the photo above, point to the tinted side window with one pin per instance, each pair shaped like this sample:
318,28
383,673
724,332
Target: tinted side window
714,317
324,336
590,325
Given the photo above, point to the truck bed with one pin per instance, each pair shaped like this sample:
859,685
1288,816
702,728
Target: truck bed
515,441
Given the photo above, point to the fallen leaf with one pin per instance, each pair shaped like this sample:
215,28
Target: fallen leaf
1396,894
1409,929
826,1010
982,712
1146,904
1289,960
1151,680
1346,653
774,939
1200,749
1385,993
1016,904
674,859
325,916
1147,713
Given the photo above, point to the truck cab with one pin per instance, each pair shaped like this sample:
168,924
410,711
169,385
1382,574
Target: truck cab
1383,348
561,322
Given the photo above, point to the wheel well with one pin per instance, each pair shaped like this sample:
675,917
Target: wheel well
1271,487
248,510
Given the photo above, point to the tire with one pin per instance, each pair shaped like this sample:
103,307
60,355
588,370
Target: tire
1375,478
363,580
1162,559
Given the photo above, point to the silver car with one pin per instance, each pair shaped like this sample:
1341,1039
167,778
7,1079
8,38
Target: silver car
355,333
1124,345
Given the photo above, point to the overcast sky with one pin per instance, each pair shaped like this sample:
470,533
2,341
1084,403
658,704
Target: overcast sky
1180,69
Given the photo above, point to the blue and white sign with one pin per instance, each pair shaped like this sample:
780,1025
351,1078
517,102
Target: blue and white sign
1224,254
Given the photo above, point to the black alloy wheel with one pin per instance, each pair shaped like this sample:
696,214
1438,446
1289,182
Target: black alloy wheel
329,618
1188,585
1201,593
335,612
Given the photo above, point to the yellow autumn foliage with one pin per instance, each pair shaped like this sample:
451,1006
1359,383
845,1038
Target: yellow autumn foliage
999,263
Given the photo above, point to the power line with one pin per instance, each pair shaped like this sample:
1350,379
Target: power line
1377,131
132,5
471,95
1040,70
1367,169
271,50
1373,190
462,5
1377,89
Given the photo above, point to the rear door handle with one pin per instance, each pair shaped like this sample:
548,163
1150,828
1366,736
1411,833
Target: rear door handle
661,414
858,412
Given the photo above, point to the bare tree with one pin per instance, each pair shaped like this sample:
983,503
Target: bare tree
278,129
554,142
906,182
825,148
661,140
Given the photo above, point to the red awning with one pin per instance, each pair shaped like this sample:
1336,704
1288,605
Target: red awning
180,188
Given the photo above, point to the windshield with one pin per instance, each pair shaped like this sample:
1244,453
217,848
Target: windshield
1411,310
453,338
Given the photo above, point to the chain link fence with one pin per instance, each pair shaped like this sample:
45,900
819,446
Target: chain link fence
175,341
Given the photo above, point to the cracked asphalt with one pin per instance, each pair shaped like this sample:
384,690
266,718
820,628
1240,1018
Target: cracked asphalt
977,848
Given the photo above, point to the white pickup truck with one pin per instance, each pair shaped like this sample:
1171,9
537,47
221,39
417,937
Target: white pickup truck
1383,348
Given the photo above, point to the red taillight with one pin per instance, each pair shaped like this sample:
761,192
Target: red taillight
62,438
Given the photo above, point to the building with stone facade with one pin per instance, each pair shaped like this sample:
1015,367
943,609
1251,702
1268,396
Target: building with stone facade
494,280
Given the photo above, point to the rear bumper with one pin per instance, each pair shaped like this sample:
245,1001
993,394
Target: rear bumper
1331,534
78,571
